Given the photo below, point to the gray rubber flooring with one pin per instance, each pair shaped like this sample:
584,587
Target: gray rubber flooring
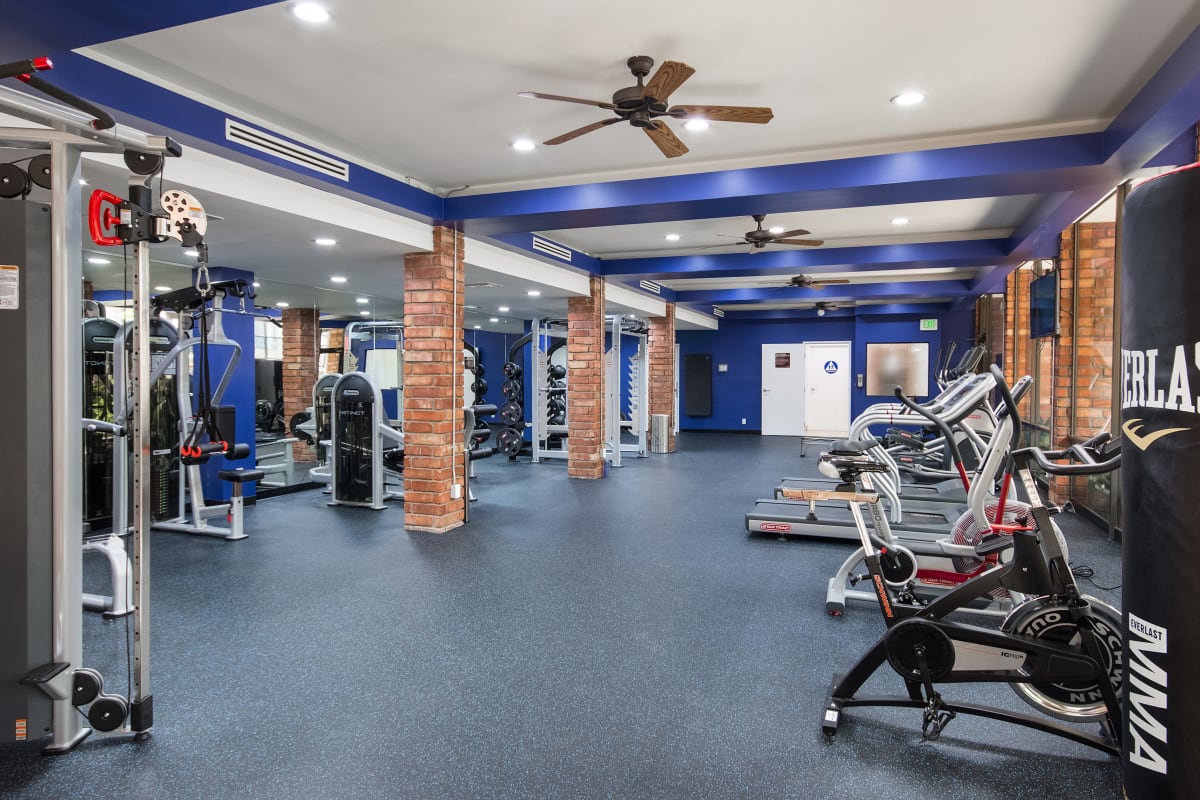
620,638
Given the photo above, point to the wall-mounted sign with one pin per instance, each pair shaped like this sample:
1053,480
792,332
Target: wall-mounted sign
929,324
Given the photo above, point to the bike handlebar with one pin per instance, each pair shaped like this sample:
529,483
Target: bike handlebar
1090,457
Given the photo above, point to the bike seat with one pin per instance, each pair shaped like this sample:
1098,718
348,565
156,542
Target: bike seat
846,447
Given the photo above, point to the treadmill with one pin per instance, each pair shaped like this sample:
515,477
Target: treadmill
916,520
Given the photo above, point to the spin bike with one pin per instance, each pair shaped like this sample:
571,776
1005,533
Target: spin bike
1060,650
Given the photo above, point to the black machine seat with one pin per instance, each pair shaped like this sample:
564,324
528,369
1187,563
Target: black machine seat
240,475
846,447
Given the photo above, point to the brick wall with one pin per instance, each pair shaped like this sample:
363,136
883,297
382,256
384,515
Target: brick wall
585,376
335,338
660,358
433,401
301,343
1016,323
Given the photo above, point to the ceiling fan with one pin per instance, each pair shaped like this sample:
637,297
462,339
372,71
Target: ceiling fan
805,282
758,238
827,305
643,104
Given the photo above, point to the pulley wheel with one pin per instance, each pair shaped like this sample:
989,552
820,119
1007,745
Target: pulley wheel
13,181
511,413
108,712
39,170
87,686
142,163
909,641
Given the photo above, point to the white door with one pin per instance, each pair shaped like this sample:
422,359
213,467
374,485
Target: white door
826,389
783,389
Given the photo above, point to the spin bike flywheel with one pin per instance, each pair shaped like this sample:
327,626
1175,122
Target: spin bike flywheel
1072,701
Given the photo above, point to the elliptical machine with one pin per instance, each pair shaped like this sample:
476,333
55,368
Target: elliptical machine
1060,651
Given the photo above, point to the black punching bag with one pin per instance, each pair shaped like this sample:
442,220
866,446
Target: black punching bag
1160,485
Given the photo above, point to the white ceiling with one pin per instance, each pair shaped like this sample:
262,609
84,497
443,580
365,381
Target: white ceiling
429,95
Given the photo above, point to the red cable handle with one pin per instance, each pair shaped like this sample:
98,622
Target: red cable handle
101,218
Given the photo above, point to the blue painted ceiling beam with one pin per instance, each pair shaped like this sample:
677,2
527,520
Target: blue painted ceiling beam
858,291
924,255
523,243
1031,166
887,309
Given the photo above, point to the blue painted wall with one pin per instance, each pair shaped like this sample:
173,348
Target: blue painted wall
737,393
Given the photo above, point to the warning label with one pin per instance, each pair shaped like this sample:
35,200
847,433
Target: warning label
10,287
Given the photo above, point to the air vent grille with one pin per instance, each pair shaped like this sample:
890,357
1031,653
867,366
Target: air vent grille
483,285
552,249
651,286
273,145
718,312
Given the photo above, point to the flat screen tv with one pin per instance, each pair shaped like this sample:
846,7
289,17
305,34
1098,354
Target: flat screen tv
1043,306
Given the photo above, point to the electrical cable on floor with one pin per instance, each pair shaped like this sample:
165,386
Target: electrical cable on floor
1087,573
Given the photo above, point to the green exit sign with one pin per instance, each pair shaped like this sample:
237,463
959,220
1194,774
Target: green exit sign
929,324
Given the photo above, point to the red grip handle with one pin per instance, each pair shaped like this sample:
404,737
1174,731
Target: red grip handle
101,217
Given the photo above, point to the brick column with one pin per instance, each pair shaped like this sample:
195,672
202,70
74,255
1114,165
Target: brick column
337,337
660,359
1016,311
585,376
301,343
1083,369
433,386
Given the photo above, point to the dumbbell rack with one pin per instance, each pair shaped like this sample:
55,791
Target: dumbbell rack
639,388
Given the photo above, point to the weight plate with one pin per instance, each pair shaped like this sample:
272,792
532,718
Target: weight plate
13,181
511,413
509,441
512,370
511,389
39,170
556,371
480,386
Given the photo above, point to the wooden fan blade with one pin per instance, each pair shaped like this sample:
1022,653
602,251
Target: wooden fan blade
595,126
666,139
560,98
830,282
669,77
790,234
756,114
802,242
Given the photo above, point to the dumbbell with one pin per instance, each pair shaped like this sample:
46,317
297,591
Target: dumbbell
556,372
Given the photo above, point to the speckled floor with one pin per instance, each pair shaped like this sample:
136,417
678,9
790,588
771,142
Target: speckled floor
621,638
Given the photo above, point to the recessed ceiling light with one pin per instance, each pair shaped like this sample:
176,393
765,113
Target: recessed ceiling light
908,98
162,288
282,304
503,309
776,230
192,253
493,319
338,278
477,327
672,237
83,182
257,284
325,242
524,145
900,221
311,12
98,260
696,124
534,293
362,299
364,313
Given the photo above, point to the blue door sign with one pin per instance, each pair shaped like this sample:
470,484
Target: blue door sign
831,367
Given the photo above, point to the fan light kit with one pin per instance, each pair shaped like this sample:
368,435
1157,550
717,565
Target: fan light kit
696,124
524,145
337,278
324,242
311,12
908,98
642,104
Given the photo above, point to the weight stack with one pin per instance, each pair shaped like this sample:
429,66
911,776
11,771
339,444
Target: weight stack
1160,458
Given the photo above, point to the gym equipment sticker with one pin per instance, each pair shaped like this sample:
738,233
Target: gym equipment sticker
10,287
831,367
